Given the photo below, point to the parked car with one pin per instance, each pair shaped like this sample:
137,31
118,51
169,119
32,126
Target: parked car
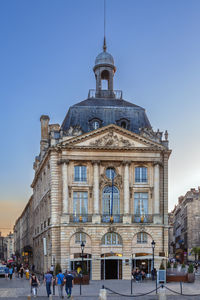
2,270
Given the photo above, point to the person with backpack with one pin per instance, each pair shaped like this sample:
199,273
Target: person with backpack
69,282
60,281
34,282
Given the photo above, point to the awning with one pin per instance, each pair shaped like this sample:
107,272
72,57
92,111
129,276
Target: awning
149,257
112,257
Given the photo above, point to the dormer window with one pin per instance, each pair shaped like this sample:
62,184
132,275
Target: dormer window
124,123
95,124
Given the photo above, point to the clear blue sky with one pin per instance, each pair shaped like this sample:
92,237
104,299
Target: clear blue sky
47,54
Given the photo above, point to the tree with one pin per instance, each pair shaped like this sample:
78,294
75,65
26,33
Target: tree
196,251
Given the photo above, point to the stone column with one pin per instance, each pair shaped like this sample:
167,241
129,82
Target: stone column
156,189
127,216
65,186
96,187
126,188
96,215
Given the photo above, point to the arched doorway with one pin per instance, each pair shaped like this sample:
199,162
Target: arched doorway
111,263
110,204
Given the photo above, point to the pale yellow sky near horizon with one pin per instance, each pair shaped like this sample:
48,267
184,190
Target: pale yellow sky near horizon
9,213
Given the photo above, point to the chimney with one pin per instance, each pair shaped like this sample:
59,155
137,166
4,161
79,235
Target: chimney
44,120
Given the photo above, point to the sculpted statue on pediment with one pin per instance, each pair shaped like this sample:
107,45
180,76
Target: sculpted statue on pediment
73,131
152,135
112,140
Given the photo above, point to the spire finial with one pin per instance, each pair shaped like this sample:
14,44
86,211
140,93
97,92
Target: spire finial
104,40
104,44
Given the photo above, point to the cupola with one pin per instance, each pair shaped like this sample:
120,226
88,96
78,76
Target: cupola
104,70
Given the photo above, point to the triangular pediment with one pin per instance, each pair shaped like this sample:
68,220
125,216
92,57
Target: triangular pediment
111,137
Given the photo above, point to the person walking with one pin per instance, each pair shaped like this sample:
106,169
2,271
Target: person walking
69,282
10,272
6,272
60,281
21,271
48,278
34,282
27,273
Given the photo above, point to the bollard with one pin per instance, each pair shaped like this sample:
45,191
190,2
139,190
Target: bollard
103,294
50,297
181,287
162,293
29,297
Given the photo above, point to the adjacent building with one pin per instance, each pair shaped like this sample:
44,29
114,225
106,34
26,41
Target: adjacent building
186,224
101,178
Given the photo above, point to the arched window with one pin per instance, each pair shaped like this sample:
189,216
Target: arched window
80,237
104,80
111,238
110,173
95,124
124,123
111,203
141,238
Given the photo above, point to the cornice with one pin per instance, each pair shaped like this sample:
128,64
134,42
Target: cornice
108,128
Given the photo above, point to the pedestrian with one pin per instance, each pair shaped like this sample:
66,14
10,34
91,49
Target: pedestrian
48,278
10,272
21,271
27,273
6,272
60,281
33,268
69,282
34,282
52,269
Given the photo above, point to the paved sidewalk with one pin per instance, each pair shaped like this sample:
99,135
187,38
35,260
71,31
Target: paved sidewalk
20,289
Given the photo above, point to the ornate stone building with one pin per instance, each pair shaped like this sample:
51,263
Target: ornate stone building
186,224
101,178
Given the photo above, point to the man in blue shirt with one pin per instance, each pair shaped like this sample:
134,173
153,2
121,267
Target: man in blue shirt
60,280
48,278
69,281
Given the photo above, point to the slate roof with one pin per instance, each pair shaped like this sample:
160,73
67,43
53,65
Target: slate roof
108,111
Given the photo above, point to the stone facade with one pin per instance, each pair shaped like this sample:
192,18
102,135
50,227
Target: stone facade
105,185
186,224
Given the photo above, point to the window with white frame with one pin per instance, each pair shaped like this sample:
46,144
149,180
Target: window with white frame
80,203
111,238
141,204
80,237
141,175
80,173
141,238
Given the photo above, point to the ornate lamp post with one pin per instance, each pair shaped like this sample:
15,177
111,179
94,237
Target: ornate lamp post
153,243
82,250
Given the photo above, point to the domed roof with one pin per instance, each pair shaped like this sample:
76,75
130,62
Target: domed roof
104,58
106,111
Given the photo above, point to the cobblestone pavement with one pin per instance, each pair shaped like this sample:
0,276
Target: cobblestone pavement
20,289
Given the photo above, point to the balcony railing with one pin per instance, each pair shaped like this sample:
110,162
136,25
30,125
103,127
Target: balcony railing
142,218
106,218
111,219
78,218
117,94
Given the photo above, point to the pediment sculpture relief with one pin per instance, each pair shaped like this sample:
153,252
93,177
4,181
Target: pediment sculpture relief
112,140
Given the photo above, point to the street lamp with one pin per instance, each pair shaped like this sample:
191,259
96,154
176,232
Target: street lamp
153,243
82,250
